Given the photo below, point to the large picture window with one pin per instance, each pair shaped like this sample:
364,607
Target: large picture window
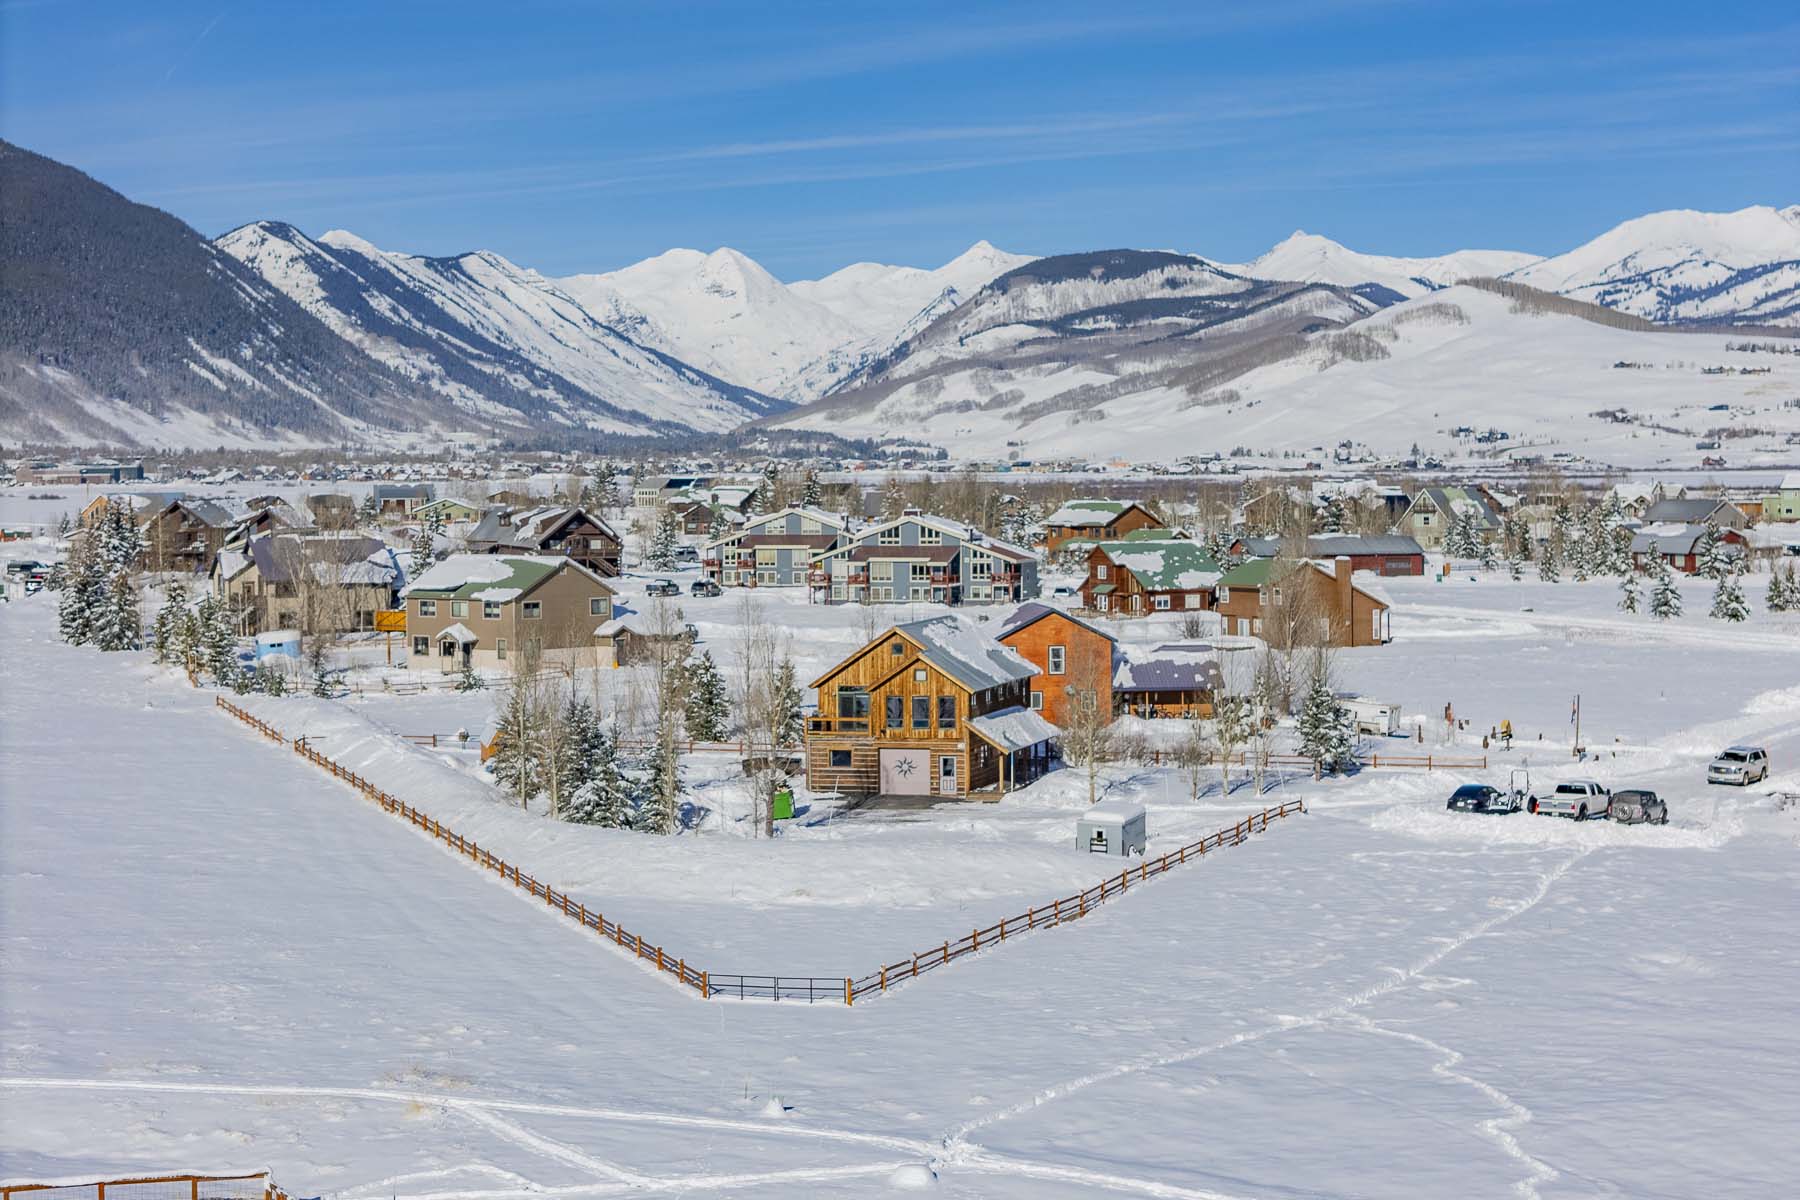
921,712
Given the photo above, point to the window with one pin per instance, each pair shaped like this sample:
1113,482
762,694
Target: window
888,537
1059,656
500,649
599,606
930,537
921,572
1100,572
421,646
920,675
1162,600
853,704
896,712
447,648
1277,595
921,712
428,608
897,648
490,610
459,608
840,758
946,712
1037,701
1196,600
533,610
1223,594
1102,603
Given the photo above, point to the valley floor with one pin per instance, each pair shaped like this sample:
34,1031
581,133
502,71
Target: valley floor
215,957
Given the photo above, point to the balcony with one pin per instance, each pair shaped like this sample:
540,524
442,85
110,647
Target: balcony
837,724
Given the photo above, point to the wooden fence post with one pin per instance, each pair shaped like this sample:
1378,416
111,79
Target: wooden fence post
849,993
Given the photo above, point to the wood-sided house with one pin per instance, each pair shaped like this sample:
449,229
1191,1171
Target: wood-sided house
1176,679
482,610
929,708
186,535
1095,520
1136,577
1068,653
777,549
263,583
550,529
1301,602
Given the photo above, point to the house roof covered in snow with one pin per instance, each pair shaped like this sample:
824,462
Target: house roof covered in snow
1170,667
497,577
1032,612
1088,514
1015,728
1683,512
1167,564
966,654
1460,501
1673,537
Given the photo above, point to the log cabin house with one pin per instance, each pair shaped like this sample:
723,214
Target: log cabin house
1095,521
929,708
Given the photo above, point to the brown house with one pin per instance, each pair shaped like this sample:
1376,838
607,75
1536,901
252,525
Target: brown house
929,708
1301,603
1067,652
1095,521
1140,576
277,582
482,610
186,535
550,529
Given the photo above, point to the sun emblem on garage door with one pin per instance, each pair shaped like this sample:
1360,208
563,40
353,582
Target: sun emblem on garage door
904,767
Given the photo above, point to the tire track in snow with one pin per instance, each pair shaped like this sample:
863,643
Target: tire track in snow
911,1146
1498,1130
549,1148
957,1148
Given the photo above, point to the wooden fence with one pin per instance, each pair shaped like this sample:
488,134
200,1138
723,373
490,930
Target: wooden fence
783,987
1156,757
260,1186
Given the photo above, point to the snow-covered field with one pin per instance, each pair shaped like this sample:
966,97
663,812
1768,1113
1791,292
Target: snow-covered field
214,956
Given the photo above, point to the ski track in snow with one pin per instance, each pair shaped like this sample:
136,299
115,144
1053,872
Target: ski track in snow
959,1150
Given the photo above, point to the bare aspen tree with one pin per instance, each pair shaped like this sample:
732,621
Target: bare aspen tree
763,705
1231,722
1088,736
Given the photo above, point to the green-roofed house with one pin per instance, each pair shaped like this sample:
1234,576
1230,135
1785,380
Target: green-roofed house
1095,521
483,610
1289,603
1138,576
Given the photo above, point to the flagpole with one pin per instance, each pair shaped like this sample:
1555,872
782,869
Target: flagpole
1576,749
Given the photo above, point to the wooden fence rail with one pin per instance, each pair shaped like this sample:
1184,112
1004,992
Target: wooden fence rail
780,987
155,1187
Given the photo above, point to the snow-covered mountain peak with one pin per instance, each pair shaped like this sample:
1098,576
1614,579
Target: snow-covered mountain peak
343,239
1315,258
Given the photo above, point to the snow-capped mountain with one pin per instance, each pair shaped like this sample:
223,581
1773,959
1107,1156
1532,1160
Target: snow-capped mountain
496,341
1736,268
725,313
1047,345
1307,256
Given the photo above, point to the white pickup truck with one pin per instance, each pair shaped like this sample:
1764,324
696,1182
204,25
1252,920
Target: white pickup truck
1577,798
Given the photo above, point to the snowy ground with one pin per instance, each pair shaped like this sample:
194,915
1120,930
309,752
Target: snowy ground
213,956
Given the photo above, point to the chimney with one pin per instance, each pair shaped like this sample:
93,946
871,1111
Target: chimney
1343,619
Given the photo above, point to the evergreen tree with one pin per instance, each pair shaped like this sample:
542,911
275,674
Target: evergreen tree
812,492
1332,517
768,496
165,631
1780,596
1665,597
708,710
663,541
469,680
1324,727
1628,592
1711,559
1459,538
1615,554
788,699
1621,562
322,685
1484,550
716,524
518,760
216,644
115,621
368,513
424,543
1728,598
1549,563
120,541
656,809
78,606
1591,553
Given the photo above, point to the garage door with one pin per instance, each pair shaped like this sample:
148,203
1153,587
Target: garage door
905,773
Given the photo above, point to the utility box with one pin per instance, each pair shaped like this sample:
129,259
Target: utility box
1111,829
784,805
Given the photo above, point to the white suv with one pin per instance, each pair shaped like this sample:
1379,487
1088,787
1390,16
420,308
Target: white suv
1577,798
1740,765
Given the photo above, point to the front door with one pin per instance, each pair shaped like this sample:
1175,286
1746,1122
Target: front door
906,772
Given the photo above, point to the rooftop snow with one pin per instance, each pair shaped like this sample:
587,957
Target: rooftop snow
1015,728
967,654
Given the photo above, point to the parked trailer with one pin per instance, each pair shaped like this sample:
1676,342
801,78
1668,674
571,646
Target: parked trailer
1373,716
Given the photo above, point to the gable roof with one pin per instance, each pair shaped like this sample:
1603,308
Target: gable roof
1169,564
492,577
1092,514
1171,667
1677,538
965,653
1456,501
1031,612
1686,512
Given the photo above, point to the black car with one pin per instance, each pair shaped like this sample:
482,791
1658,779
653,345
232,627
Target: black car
1482,798
1639,807
706,587
662,587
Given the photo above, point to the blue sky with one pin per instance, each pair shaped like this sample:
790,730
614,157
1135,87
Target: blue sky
579,137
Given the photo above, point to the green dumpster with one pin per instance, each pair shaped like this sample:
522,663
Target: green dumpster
784,805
